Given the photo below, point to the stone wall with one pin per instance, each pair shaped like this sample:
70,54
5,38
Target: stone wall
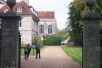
46,23
28,29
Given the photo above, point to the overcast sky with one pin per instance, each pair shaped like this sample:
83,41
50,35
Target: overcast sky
60,7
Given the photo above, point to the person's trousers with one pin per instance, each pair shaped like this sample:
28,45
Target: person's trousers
37,52
26,55
29,52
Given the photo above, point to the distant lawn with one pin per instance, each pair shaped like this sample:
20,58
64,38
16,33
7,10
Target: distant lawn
32,52
74,52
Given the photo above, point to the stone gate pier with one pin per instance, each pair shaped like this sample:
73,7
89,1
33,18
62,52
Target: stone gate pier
91,37
9,53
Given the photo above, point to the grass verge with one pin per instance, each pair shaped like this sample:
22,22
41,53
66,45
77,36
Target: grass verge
74,52
32,52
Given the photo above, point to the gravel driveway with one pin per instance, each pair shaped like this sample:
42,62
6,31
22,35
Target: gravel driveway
51,57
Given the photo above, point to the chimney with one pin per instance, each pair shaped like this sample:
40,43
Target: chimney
26,1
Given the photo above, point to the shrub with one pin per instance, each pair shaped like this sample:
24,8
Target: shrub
52,40
22,43
40,42
34,41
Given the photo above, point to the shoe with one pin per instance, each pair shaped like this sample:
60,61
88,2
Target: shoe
35,58
26,59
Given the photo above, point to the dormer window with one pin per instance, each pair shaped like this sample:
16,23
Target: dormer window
5,10
19,9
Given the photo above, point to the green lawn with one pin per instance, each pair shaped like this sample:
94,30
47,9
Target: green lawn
74,52
32,52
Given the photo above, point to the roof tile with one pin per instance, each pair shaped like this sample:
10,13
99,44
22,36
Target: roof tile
46,14
25,10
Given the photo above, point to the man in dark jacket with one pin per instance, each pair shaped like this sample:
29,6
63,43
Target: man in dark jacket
37,47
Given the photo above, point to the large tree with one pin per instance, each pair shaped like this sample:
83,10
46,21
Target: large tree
77,9
75,31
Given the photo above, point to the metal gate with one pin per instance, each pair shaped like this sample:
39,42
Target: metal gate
101,48
0,45
19,49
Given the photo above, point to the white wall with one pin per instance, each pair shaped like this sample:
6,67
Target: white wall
26,29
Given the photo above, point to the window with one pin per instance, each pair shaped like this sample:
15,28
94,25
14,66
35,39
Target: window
41,29
5,10
19,23
50,29
19,9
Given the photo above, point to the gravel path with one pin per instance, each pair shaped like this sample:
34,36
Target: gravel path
51,57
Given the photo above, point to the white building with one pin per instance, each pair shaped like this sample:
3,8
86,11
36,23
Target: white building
47,25
28,26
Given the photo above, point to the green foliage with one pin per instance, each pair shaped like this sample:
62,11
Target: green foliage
37,41
75,26
74,52
52,40
101,25
40,42
34,41
22,43
98,7
74,30
63,34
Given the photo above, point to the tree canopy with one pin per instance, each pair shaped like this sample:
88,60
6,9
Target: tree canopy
77,8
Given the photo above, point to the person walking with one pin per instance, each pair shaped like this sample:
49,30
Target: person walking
37,47
29,49
26,52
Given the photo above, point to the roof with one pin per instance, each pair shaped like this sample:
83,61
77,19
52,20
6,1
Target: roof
46,14
25,10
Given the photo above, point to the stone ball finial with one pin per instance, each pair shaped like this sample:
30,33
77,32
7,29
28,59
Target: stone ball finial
90,3
11,3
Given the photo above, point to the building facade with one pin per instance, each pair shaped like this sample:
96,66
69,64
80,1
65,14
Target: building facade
33,23
28,26
47,24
